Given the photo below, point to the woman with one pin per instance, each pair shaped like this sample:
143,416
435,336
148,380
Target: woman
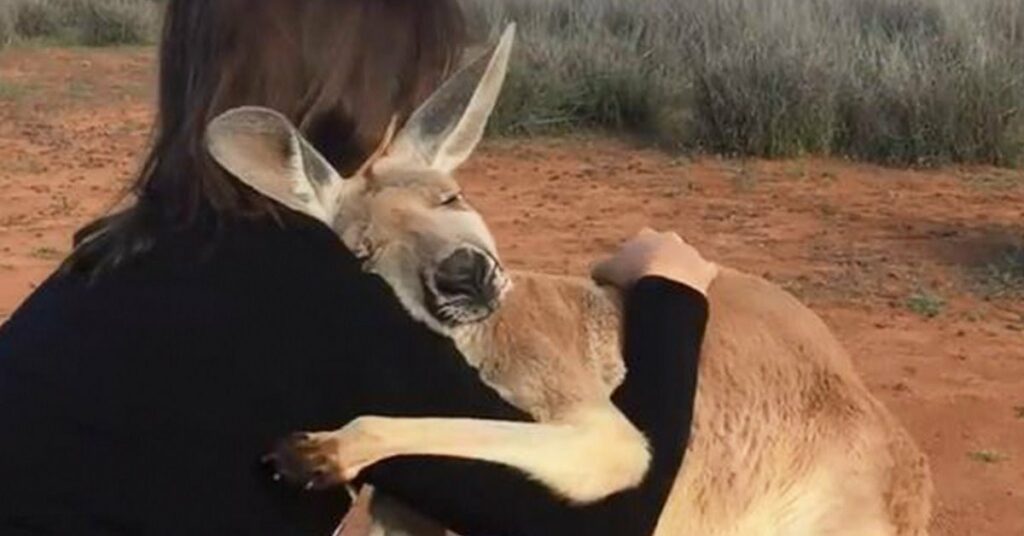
141,384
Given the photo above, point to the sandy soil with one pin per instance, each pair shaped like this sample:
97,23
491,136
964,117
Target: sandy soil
888,257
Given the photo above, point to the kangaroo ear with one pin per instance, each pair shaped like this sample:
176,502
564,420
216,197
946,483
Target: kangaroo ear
263,150
446,129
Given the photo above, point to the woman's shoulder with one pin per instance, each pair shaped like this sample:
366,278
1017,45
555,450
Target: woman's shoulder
235,271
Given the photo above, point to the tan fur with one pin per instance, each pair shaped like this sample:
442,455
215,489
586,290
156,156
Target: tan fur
787,432
541,370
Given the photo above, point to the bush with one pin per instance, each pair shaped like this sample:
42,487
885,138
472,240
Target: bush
7,32
896,81
1003,276
38,18
114,22
86,22
588,78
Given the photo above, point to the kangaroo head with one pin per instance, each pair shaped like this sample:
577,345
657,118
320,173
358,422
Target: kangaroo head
402,213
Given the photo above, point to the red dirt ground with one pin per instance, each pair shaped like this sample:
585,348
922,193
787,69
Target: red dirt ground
871,249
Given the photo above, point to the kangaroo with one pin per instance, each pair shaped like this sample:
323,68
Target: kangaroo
787,439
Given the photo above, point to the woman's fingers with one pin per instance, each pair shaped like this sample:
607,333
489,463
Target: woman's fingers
651,252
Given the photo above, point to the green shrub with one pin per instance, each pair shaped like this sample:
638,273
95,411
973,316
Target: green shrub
926,303
39,18
1003,276
114,22
86,22
895,81
588,78
7,33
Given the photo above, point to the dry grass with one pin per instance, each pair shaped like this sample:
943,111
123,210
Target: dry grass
987,456
7,21
1003,276
896,81
82,22
893,81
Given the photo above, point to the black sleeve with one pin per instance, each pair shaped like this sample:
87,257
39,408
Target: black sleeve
664,330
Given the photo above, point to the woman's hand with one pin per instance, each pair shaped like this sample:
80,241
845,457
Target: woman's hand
658,254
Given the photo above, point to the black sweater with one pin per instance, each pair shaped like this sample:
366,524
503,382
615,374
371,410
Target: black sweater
142,402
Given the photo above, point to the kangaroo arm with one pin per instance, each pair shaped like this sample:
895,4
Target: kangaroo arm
613,453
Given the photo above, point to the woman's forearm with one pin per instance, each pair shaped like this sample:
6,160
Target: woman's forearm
664,328
664,332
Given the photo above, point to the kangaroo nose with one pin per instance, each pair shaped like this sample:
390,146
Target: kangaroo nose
468,273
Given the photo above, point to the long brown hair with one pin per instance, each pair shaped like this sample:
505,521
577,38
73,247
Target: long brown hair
339,69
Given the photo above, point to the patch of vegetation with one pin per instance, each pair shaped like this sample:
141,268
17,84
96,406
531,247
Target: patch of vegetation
83,22
11,91
47,254
115,22
926,304
987,456
992,182
894,81
7,33
1003,277
744,180
37,18
828,210
80,89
